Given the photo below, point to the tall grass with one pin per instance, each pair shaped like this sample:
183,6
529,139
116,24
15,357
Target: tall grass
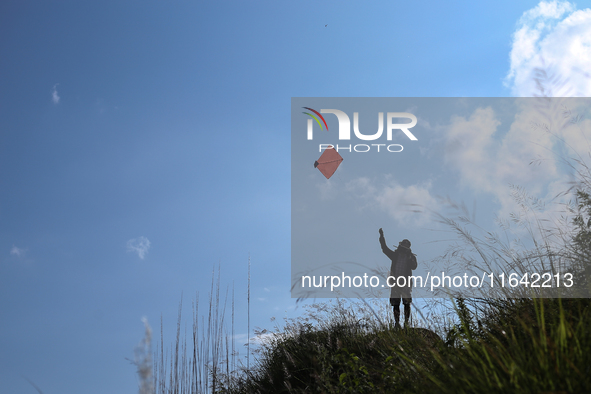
515,345
143,361
528,345
203,363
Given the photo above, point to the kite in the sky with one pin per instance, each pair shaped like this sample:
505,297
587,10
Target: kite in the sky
328,162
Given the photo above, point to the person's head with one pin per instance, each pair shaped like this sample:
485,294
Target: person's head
405,243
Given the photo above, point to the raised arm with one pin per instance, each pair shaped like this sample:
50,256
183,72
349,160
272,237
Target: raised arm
387,251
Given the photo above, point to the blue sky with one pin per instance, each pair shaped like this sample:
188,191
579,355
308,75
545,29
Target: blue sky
144,143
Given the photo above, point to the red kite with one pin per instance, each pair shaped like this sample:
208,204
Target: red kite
328,162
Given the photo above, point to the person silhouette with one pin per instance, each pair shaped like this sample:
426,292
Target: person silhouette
403,263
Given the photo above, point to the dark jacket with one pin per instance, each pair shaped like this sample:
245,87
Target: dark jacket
403,260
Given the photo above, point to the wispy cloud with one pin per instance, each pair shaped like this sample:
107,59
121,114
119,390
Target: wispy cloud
139,245
405,204
54,96
522,165
17,251
266,337
551,50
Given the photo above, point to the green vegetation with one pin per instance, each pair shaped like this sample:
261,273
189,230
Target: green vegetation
522,345
518,346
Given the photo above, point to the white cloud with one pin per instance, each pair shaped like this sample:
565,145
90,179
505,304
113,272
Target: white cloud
489,162
328,190
468,147
362,188
139,245
408,205
260,338
55,98
551,50
266,338
18,252
529,152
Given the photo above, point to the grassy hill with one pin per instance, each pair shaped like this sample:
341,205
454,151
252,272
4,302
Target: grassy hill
521,346
494,346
